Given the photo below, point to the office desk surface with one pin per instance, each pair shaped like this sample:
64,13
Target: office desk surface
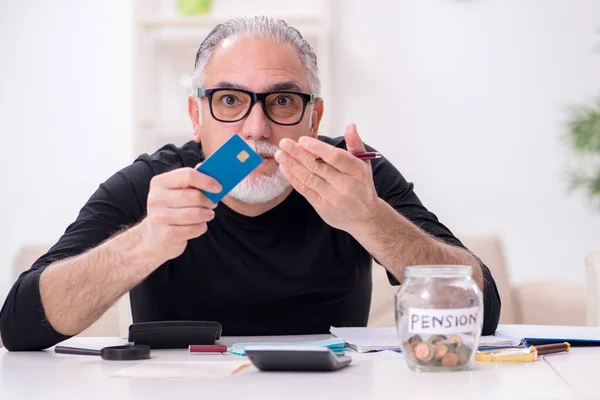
42,375
579,370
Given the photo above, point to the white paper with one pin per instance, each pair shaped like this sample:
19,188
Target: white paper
376,356
551,332
368,339
182,369
497,341
372,339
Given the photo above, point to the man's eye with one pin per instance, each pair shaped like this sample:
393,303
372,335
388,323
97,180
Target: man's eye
283,101
229,100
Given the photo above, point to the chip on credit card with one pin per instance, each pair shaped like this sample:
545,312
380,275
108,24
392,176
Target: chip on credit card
229,165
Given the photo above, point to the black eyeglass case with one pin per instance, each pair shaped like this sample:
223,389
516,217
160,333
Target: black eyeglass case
174,334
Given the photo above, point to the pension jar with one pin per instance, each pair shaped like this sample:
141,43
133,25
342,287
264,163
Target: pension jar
439,317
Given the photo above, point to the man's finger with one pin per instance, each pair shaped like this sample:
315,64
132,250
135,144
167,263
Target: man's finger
187,177
190,197
301,174
180,198
310,195
184,216
187,232
353,142
340,159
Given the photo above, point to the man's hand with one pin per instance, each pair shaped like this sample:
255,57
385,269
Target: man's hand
177,211
341,188
76,291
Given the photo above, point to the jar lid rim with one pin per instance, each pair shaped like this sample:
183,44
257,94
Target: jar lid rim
438,271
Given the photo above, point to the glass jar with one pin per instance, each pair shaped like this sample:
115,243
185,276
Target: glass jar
439,317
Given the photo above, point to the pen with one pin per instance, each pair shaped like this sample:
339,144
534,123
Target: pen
201,348
369,155
552,348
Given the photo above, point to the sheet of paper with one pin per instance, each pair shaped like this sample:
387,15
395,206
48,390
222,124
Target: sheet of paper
182,369
497,341
368,339
372,339
580,333
376,356
336,345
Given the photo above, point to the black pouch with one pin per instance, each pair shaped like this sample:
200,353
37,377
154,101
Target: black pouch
174,334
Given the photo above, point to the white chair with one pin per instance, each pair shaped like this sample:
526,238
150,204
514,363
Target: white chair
490,249
543,303
536,303
487,247
382,312
592,269
550,303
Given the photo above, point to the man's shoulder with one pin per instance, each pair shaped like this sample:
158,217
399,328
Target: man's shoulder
170,157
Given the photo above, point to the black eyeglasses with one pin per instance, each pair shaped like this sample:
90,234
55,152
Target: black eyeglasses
233,105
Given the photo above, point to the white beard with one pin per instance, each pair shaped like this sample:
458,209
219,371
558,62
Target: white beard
261,188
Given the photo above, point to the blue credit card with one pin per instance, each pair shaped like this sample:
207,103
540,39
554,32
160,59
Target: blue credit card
229,165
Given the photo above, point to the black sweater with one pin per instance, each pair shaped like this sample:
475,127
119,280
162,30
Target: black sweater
283,272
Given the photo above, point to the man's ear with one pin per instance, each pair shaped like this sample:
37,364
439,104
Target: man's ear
195,114
315,116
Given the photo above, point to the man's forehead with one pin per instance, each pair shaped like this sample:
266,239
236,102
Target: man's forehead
256,64
275,86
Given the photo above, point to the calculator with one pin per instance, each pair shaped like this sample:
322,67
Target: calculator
290,358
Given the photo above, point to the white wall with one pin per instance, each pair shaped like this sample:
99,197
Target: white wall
467,98
65,114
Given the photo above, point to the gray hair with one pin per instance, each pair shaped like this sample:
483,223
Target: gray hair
262,27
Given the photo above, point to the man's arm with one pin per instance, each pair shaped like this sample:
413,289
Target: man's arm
397,243
375,204
76,292
114,206
78,280
408,234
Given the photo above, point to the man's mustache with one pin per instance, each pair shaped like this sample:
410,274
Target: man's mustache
262,147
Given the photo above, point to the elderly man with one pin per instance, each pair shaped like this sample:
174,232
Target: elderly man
288,251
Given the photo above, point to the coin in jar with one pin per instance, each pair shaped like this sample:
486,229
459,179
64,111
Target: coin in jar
424,352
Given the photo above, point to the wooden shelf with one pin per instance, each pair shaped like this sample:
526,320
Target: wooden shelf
166,44
210,21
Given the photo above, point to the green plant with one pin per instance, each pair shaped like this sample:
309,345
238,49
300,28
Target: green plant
194,7
583,137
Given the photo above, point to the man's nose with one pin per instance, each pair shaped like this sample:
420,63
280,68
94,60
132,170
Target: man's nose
256,125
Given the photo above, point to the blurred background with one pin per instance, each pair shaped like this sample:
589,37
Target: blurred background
470,99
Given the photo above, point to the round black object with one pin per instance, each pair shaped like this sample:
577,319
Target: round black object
127,352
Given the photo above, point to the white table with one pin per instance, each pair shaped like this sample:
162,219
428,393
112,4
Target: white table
578,370
46,375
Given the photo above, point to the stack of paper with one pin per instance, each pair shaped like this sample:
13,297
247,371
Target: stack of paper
335,344
499,341
368,339
575,335
376,339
